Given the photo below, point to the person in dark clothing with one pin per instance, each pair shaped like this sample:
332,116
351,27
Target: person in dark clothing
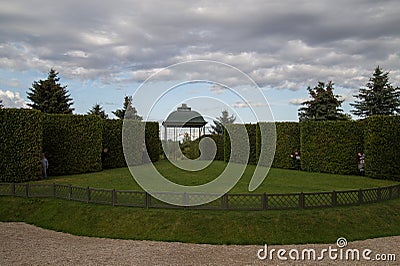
296,160
104,154
45,166
361,163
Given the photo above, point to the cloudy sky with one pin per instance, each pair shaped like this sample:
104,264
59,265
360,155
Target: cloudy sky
104,50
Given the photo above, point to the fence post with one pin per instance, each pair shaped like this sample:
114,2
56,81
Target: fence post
225,203
113,197
13,189
185,199
379,194
146,200
87,194
70,192
27,190
360,197
264,201
54,190
301,200
334,199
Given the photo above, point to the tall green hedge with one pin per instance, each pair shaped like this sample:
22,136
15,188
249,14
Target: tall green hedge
239,143
382,147
252,132
132,138
112,140
153,141
331,146
287,141
21,145
72,143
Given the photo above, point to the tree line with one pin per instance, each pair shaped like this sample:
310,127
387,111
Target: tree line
377,97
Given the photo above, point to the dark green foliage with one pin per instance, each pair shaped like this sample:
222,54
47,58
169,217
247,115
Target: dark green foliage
287,141
112,140
382,147
324,105
331,146
21,145
191,149
237,141
128,109
379,97
152,135
97,109
251,131
218,127
219,141
49,96
72,143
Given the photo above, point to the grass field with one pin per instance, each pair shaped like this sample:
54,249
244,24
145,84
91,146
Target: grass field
277,181
214,227
202,226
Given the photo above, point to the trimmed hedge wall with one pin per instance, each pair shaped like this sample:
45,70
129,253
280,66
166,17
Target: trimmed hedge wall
239,144
21,145
153,141
112,140
382,147
331,146
133,142
72,143
252,132
287,141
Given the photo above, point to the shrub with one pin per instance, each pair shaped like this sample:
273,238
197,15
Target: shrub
251,131
239,143
72,143
287,140
331,146
153,142
21,145
112,140
382,147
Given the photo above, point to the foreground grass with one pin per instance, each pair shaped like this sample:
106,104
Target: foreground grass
200,226
277,181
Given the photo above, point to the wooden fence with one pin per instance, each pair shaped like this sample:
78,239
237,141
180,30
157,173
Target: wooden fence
226,202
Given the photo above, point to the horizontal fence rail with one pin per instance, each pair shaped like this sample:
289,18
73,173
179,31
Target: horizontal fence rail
263,201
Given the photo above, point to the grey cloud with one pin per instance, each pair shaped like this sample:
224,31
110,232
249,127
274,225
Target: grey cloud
280,44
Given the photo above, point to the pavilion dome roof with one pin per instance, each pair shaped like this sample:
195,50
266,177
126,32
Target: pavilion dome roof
184,117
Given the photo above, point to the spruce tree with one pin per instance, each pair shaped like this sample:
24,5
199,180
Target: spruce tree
218,127
49,96
324,105
379,97
98,110
132,112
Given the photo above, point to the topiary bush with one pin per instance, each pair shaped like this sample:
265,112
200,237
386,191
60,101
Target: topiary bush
382,147
21,145
73,143
331,146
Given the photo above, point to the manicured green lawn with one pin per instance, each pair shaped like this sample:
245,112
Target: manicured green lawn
277,181
202,226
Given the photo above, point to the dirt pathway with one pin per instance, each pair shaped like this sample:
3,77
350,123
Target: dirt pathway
23,244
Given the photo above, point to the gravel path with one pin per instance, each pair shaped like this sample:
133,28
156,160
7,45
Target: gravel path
24,244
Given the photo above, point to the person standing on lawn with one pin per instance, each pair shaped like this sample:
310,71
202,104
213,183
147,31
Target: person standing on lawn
45,166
